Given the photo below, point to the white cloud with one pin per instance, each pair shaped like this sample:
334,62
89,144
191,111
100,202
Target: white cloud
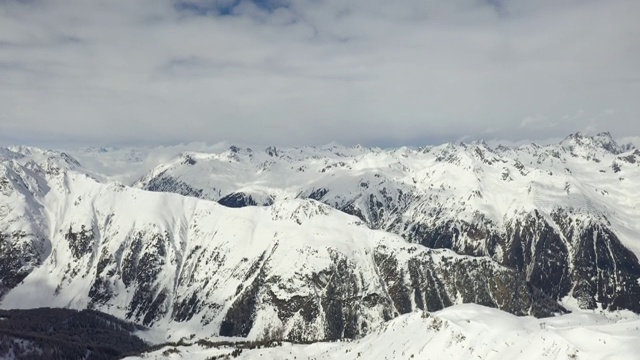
309,72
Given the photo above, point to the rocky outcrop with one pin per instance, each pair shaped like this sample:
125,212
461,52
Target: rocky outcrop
240,199
562,255
19,255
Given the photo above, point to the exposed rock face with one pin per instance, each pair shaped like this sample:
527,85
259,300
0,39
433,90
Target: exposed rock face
341,305
22,241
19,255
562,255
431,283
238,200
613,282
534,248
168,184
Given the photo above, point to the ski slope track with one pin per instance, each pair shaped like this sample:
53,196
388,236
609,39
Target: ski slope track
186,266
564,215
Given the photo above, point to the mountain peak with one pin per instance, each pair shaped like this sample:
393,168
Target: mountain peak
272,151
602,140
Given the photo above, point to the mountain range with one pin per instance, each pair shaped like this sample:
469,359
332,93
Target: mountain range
563,215
323,243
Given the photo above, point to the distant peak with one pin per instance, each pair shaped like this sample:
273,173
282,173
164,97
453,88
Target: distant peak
606,141
502,148
576,135
272,151
602,140
602,136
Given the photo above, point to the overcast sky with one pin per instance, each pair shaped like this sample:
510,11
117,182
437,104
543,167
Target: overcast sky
296,72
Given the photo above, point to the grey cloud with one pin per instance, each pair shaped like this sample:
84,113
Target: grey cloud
310,72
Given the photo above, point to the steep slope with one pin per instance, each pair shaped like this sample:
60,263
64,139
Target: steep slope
186,266
562,215
460,332
23,218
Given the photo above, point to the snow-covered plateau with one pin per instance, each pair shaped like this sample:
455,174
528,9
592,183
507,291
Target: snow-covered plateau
381,247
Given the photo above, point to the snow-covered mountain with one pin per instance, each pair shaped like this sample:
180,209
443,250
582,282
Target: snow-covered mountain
467,331
563,215
186,266
128,164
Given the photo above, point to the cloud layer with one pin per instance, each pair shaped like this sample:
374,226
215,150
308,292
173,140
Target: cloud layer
292,72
